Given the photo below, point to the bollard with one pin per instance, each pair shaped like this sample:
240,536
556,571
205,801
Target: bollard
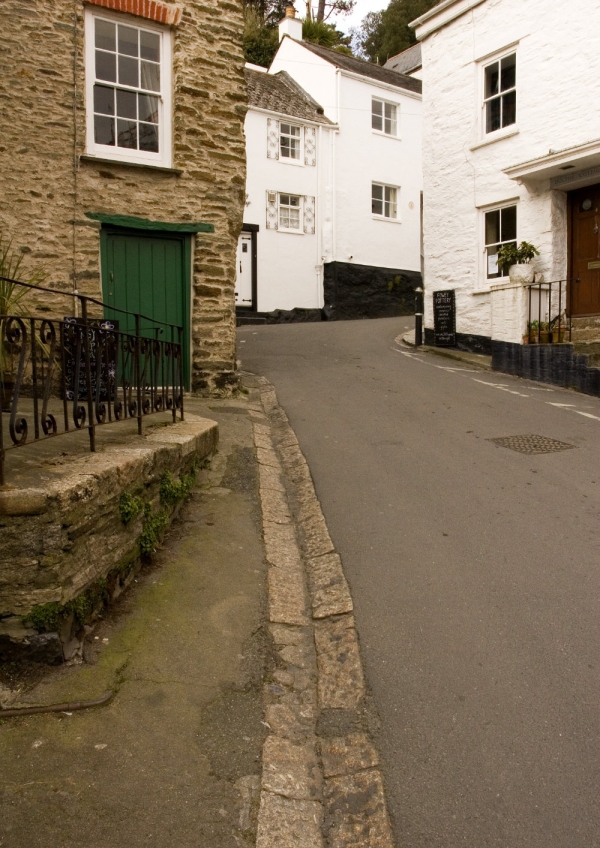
418,316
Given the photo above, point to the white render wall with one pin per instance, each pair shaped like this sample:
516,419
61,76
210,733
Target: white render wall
359,157
289,272
558,92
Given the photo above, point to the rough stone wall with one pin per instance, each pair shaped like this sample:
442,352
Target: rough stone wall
47,188
463,176
362,291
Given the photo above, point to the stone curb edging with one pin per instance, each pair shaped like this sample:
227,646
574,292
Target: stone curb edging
321,786
477,360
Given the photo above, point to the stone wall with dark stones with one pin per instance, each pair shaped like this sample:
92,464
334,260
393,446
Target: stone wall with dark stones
363,291
47,187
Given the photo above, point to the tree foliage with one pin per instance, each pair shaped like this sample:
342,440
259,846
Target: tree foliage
386,33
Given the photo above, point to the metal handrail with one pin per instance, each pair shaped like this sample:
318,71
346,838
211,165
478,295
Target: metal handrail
564,287
106,373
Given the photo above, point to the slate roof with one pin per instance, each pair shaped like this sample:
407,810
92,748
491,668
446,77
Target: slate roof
280,93
365,69
407,61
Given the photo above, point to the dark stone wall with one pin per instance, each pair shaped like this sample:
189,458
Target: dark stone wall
464,341
552,363
364,291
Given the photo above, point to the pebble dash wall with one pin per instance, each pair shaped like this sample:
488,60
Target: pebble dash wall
48,186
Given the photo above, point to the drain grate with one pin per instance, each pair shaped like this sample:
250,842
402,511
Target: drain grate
531,444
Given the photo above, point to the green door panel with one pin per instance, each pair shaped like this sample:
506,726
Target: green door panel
148,274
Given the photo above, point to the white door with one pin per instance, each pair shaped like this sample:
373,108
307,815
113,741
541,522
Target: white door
243,282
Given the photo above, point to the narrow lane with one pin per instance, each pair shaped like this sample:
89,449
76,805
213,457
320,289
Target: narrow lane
474,571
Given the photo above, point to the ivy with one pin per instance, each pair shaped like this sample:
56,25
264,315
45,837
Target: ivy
129,507
48,617
172,491
152,531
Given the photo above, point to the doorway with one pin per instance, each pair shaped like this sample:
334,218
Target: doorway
246,269
148,274
584,251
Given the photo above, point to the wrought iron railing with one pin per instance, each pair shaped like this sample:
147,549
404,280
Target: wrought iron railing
549,311
64,375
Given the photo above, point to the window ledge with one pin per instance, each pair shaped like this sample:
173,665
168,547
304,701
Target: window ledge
288,160
387,220
291,232
86,157
386,135
481,291
497,136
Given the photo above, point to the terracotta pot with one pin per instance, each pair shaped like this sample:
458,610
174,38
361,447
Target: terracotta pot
558,336
545,336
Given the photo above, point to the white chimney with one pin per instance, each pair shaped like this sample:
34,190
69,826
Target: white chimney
290,25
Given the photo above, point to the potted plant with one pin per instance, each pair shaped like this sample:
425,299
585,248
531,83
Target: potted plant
557,328
517,260
532,332
11,296
545,333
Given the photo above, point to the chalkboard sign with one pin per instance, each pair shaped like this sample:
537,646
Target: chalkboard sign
444,318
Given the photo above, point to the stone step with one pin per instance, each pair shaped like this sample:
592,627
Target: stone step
585,334
249,320
590,349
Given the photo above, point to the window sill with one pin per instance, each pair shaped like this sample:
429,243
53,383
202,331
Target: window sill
496,136
481,291
291,232
387,220
86,157
288,160
386,135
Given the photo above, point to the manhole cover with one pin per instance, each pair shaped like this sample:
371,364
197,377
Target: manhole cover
531,444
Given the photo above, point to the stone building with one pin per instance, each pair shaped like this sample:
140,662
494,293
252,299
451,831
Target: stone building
122,159
511,153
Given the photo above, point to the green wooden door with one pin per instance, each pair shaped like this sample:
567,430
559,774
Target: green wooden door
148,274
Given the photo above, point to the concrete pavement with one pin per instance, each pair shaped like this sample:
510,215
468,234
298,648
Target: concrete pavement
473,570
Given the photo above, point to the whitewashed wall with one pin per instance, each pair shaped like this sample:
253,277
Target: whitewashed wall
289,270
558,92
359,157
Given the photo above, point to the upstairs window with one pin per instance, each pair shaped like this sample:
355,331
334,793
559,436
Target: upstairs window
289,141
128,86
384,200
500,93
384,116
500,228
289,212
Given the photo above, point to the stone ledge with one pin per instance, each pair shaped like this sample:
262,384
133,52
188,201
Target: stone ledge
62,539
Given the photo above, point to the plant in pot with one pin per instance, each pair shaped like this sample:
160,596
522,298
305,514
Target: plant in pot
11,297
516,259
532,333
557,328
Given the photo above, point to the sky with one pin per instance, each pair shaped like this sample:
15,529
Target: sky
362,8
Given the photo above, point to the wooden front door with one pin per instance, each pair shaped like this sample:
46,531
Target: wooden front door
584,260
149,274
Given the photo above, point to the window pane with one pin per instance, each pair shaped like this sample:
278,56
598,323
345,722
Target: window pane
105,35
104,100
492,262
377,206
294,201
106,68
128,71
284,199
150,46
492,227
148,137
377,115
377,122
148,108
508,77
127,104
377,192
285,146
128,40
295,131
295,148
104,130
127,134
284,129
493,115
509,223
150,76
377,107
295,219
491,80
509,108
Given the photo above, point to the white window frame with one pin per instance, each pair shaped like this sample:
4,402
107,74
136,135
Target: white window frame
164,157
484,211
300,229
385,103
383,217
485,62
290,160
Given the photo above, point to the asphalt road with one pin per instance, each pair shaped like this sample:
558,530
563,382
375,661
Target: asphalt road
474,572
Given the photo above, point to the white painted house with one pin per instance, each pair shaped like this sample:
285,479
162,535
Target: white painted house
511,133
362,184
